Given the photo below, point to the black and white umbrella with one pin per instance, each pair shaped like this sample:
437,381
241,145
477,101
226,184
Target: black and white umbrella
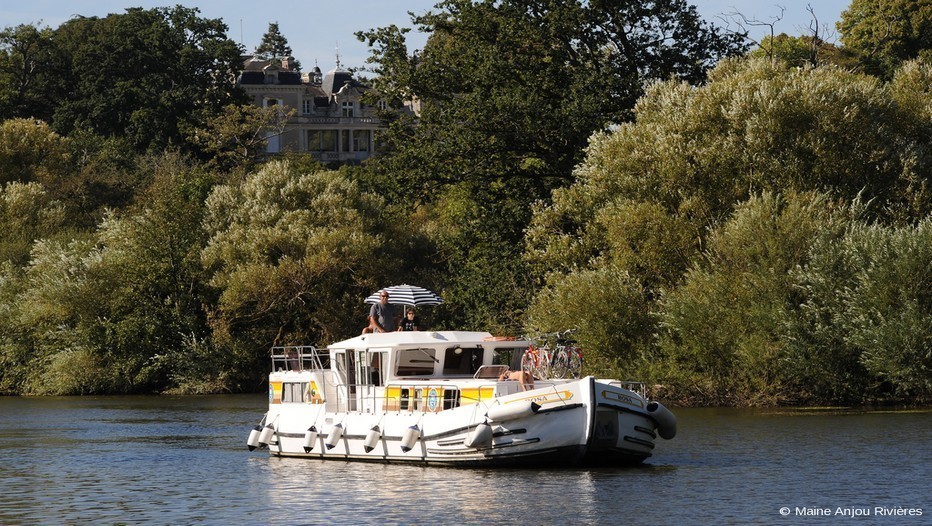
411,295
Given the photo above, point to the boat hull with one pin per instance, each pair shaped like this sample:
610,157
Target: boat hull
573,423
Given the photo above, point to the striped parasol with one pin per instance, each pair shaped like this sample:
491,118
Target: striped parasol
411,295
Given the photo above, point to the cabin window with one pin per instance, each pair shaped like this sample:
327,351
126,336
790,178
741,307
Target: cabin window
416,362
462,360
451,398
293,392
508,356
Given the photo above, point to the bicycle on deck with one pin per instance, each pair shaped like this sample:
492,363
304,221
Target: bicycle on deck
553,355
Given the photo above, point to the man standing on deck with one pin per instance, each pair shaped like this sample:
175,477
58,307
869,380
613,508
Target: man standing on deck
382,315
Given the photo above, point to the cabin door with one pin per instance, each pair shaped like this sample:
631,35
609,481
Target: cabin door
346,370
370,376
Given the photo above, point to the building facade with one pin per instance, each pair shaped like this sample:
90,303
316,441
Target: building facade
331,122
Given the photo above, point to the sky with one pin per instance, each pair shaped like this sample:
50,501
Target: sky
317,30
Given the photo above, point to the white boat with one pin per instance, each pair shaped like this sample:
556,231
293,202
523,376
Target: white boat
436,398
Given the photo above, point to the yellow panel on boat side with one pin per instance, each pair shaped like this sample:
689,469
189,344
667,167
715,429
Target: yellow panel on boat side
472,395
275,392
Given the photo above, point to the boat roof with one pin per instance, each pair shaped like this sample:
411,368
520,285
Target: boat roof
425,338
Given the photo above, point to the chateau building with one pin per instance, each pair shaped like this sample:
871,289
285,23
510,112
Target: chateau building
331,123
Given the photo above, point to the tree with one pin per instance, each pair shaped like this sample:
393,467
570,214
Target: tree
512,90
274,44
724,325
802,51
862,327
27,73
292,256
653,195
886,34
509,94
119,310
145,75
695,152
31,151
240,133
26,215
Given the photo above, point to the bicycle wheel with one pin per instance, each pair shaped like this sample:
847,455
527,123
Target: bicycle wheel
574,365
529,361
560,364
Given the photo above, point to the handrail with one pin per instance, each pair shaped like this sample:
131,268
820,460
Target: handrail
300,358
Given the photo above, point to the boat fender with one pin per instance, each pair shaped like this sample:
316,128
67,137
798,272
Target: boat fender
512,411
480,437
372,439
410,438
666,422
253,441
334,437
265,437
310,438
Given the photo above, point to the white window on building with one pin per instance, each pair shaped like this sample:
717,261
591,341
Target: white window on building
349,109
383,105
307,106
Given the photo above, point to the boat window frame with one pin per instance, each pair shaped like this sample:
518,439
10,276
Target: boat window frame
290,389
475,360
429,355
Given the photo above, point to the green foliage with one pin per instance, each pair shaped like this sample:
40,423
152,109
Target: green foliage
695,152
27,77
724,323
655,196
292,255
513,89
31,151
610,311
45,331
143,75
26,214
866,321
509,93
803,51
274,44
886,34
117,303
238,135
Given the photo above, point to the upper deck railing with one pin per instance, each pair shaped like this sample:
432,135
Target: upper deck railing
300,358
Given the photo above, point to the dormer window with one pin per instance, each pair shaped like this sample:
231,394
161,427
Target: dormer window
349,109
307,106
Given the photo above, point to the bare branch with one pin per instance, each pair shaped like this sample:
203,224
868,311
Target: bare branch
743,22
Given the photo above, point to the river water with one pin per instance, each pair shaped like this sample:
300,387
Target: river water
183,460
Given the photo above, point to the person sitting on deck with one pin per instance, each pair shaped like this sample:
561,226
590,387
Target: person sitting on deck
524,377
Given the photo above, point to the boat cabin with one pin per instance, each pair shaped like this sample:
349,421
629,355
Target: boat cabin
398,371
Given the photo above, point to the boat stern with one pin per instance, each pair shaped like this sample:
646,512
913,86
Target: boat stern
625,425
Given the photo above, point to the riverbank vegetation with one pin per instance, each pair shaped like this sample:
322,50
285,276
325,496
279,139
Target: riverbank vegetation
734,226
